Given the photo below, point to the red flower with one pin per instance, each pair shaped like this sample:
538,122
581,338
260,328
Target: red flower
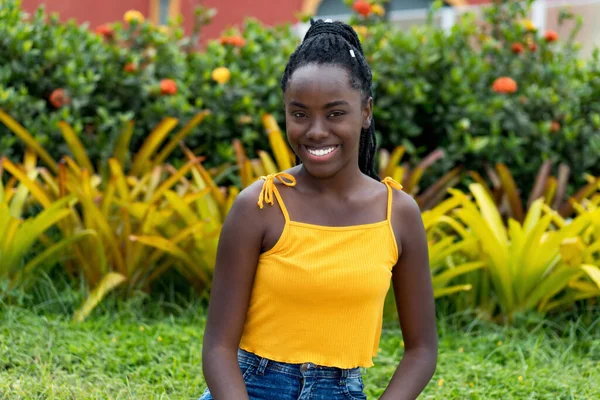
504,84
551,36
532,46
59,98
555,126
517,48
130,67
362,7
168,86
105,31
236,41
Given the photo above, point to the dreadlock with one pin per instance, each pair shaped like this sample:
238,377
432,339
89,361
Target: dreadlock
336,43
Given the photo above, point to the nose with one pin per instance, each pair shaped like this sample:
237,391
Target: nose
317,131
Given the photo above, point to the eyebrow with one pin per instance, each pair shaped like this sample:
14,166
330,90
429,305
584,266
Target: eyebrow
326,106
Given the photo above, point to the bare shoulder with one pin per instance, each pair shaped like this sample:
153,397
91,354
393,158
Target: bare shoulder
246,206
404,206
247,199
246,203
406,220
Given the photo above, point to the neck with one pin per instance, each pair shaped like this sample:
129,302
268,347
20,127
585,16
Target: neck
340,183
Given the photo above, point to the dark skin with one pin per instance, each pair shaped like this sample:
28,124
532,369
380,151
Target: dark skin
322,110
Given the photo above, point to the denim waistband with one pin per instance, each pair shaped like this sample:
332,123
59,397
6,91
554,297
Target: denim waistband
299,370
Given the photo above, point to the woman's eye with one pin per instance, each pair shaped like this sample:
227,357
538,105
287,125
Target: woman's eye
336,114
299,114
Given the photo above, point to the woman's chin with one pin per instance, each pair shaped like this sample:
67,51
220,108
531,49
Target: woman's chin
322,171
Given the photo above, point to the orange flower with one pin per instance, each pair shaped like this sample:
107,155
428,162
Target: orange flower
555,126
130,67
59,98
168,87
551,36
235,41
238,41
106,31
362,7
504,84
517,48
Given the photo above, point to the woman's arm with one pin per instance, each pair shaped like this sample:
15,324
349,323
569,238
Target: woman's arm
413,290
237,256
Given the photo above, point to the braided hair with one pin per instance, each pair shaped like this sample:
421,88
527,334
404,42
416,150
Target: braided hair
338,44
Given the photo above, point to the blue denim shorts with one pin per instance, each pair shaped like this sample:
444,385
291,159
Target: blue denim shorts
267,379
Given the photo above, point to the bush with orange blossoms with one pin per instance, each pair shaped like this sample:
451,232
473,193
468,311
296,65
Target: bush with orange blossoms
429,84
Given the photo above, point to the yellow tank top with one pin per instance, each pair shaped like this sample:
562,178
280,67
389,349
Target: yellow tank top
318,294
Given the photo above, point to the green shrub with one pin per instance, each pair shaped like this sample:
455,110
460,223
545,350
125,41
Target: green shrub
43,57
254,87
433,89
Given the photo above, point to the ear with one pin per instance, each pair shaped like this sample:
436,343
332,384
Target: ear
368,113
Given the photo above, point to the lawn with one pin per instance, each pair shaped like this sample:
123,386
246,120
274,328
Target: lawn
148,350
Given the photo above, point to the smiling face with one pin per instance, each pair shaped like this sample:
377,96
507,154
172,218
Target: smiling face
324,119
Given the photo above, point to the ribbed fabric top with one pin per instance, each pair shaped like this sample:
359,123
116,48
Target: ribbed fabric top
318,294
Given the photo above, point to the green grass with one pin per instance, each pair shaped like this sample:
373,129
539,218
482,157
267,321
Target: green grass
152,350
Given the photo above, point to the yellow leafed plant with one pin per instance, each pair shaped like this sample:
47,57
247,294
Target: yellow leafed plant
551,189
252,169
452,255
391,165
18,235
146,219
584,251
529,264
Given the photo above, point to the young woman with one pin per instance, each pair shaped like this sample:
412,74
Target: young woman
306,256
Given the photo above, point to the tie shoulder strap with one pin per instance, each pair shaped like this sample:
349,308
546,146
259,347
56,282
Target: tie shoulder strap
269,189
390,183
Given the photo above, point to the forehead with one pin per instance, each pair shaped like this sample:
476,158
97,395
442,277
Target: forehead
320,82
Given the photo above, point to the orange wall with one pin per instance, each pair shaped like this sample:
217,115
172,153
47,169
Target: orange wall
96,12
230,12
233,12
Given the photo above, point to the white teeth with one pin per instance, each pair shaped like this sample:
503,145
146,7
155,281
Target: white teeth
321,152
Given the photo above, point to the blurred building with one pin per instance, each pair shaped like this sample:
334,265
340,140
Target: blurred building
232,12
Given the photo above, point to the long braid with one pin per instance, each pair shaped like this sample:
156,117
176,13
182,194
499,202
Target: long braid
331,43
